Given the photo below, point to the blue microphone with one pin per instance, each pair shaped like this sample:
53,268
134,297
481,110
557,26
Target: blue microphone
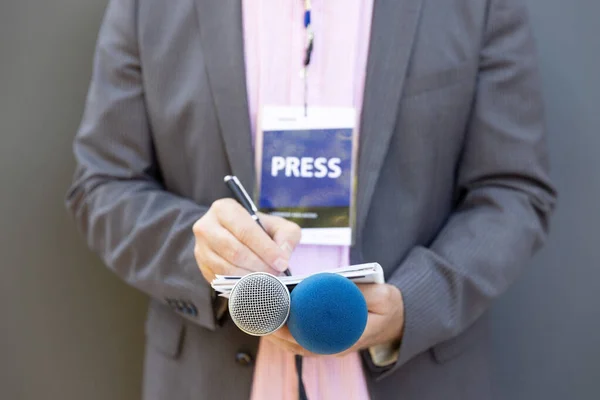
328,313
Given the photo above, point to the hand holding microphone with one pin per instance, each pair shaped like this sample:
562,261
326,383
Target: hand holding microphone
325,313
385,321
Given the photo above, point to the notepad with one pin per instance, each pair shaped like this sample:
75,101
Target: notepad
360,273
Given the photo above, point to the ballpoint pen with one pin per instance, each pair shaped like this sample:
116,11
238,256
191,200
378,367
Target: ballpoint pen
244,199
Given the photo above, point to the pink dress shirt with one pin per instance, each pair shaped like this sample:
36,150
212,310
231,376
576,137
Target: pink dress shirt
274,37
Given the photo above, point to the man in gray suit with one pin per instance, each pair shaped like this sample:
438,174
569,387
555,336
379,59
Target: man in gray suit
453,188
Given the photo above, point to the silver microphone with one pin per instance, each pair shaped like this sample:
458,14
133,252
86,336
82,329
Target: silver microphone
259,304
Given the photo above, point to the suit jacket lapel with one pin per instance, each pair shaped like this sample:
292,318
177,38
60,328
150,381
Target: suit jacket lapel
221,37
392,35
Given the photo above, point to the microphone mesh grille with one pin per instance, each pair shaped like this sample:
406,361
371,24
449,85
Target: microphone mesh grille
259,304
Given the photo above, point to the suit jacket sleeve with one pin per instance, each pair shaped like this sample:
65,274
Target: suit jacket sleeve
141,231
506,197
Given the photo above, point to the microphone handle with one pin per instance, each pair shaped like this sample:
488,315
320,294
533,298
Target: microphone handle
301,389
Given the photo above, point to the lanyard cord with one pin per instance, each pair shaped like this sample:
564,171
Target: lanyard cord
307,55
309,48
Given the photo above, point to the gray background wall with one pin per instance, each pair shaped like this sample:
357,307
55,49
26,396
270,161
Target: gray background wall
69,330
547,327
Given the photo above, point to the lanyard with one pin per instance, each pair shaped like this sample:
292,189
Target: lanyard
308,52
309,48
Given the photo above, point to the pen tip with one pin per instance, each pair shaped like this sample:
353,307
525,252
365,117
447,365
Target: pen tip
228,178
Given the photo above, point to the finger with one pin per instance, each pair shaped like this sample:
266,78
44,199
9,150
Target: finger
373,328
368,338
228,247
211,264
208,231
284,334
285,233
236,220
285,345
292,347
200,250
378,297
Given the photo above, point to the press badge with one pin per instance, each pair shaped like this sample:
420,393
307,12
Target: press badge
306,166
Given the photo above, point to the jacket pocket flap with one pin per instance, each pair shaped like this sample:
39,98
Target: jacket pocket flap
164,330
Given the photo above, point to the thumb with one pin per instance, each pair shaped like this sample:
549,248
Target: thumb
379,297
285,233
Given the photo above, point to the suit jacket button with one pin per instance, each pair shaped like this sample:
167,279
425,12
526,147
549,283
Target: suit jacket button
243,359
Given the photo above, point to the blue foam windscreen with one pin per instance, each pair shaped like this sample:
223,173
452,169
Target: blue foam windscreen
328,313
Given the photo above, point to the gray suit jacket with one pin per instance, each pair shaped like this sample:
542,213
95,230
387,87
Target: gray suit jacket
453,191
